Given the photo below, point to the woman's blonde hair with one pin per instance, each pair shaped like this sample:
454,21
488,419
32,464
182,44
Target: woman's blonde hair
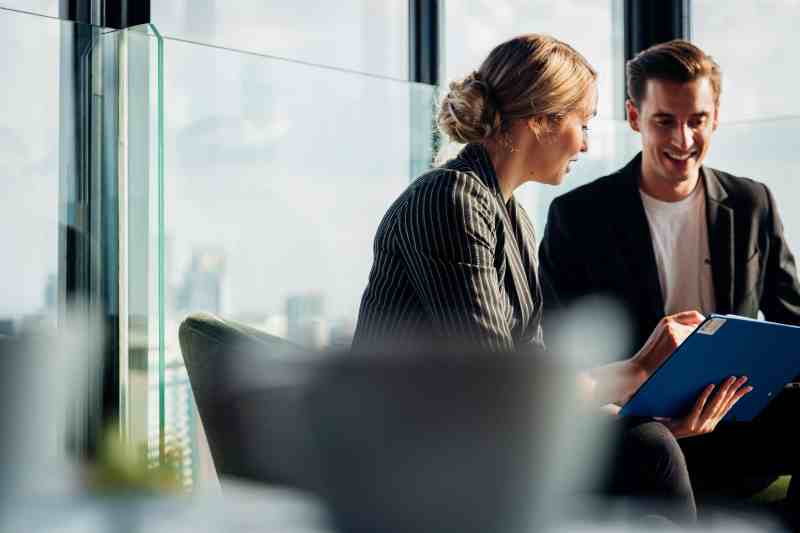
530,76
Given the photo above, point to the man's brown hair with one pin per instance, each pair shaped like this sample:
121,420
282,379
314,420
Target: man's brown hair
678,61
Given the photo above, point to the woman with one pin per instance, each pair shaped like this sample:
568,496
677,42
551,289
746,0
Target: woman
455,255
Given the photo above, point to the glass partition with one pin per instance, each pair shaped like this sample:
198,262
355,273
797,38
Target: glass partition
39,7
767,151
29,149
58,244
132,156
594,28
276,177
81,177
358,35
759,65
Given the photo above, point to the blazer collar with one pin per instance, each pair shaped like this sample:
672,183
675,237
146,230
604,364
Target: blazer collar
720,240
637,244
474,159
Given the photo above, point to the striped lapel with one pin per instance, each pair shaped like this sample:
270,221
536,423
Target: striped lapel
474,158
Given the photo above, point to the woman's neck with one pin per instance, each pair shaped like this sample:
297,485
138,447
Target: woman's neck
508,168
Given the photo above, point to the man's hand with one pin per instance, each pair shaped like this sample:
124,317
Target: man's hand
670,332
705,415
616,382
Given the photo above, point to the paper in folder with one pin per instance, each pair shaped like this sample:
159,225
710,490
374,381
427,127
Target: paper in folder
722,346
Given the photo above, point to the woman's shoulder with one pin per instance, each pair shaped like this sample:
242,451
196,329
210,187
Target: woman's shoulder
445,186
445,199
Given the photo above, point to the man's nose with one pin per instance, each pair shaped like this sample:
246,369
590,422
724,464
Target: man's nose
683,137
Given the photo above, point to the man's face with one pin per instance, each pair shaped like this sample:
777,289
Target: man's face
676,121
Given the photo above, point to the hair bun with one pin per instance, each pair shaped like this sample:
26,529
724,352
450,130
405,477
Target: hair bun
469,112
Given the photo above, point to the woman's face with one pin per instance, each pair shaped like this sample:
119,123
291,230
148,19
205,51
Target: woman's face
551,156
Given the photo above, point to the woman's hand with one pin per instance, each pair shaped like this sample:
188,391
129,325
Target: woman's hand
670,332
616,382
705,415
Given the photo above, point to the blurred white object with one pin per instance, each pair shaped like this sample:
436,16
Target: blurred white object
44,374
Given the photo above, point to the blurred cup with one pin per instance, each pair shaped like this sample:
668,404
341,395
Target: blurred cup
440,440
29,404
43,373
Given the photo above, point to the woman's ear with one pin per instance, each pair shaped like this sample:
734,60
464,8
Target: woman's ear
539,126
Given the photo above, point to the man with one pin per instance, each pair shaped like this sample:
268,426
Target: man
665,234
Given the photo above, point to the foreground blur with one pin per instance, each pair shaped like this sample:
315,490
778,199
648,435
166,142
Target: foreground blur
431,439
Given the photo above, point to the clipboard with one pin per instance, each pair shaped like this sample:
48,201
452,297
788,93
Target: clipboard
767,353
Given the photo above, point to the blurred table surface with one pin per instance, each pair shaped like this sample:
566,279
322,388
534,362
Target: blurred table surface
241,507
247,507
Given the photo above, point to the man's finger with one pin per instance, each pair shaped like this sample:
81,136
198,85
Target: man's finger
733,390
714,404
688,317
694,414
741,393
720,401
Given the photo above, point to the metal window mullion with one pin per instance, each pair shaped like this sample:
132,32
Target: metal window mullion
647,23
424,68
425,17
117,14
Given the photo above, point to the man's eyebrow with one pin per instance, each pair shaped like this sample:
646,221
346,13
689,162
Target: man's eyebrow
664,114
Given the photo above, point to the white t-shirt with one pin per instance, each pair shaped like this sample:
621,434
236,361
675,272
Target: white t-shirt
680,242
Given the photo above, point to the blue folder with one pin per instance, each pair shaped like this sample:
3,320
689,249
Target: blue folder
722,346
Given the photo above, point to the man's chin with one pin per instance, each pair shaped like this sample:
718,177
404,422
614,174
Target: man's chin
681,175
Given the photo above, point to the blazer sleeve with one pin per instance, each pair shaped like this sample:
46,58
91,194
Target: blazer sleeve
780,299
448,239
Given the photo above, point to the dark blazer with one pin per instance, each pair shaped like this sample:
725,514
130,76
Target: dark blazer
597,240
453,261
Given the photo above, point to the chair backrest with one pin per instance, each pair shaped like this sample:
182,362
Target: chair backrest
249,388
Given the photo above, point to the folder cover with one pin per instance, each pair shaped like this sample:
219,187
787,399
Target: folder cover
722,346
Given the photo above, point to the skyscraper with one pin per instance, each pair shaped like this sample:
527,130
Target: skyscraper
203,287
306,323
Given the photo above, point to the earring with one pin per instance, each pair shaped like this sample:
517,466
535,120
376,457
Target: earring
509,143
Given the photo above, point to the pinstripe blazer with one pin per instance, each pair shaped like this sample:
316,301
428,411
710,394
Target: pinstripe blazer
453,263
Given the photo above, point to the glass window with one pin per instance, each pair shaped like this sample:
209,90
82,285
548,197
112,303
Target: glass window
474,27
360,35
759,106
755,44
767,151
594,28
29,149
39,7
276,177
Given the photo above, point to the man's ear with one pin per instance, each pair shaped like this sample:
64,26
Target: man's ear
633,114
